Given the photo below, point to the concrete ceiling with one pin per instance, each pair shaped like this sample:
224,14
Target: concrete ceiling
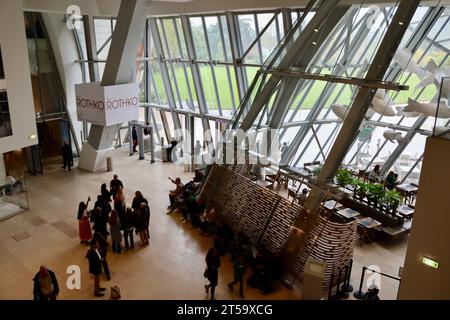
174,7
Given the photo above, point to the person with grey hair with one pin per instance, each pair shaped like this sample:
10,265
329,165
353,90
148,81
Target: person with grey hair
45,285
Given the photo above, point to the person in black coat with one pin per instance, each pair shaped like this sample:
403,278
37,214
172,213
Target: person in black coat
45,285
115,185
99,218
135,138
106,195
137,200
127,224
67,155
102,246
95,267
212,271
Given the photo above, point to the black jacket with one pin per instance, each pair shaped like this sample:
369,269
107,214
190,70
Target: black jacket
37,293
137,202
95,263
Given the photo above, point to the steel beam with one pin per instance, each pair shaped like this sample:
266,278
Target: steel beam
165,75
358,110
196,75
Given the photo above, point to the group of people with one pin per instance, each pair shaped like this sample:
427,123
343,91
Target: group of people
389,182
111,209
265,268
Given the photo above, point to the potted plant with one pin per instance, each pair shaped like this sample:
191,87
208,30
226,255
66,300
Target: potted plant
361,190
344,178
375,194
392,199
317,170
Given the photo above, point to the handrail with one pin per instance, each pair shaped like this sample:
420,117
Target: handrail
360,294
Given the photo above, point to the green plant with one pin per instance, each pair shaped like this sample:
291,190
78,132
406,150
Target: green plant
362,188
317,170
392,199
344,177
375,192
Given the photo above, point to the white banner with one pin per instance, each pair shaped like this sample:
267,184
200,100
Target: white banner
107,106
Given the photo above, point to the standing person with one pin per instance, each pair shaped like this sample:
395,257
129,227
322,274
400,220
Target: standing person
83,222
67,155
238,272
212,271
106,195
141,228
128,227
99,218
102,247
95,267
45,285
283,150
146,211
137,200
115,184
135,138
116,234
119,201
197,148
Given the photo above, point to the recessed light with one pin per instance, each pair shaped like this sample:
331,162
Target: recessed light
316,30
314,43
32,136
400,23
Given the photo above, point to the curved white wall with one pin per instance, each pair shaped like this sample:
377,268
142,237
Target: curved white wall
66,53
17,74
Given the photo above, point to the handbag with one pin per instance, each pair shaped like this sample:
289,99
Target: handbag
206,273
115,293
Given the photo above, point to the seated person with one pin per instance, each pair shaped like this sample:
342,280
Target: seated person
207,220
199,176
174,194
302,197
375,173
391,180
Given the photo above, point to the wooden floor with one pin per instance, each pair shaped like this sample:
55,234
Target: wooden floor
170,268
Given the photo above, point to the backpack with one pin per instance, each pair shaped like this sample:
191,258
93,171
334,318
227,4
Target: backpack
115,293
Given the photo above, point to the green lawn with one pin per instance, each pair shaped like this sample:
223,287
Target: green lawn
226,95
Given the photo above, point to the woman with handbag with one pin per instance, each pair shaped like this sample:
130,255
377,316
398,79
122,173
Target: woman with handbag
83,222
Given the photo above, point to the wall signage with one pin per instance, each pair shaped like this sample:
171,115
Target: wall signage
107,106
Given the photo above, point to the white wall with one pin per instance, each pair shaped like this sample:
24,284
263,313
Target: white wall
430,229
18,78
65,52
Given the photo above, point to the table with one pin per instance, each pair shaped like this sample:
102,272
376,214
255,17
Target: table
408,191
331,204
405,211
264,183
369,223
348,213
407,188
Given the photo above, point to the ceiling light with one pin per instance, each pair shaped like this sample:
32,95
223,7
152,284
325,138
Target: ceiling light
32,136
400,23
316,30
314,43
